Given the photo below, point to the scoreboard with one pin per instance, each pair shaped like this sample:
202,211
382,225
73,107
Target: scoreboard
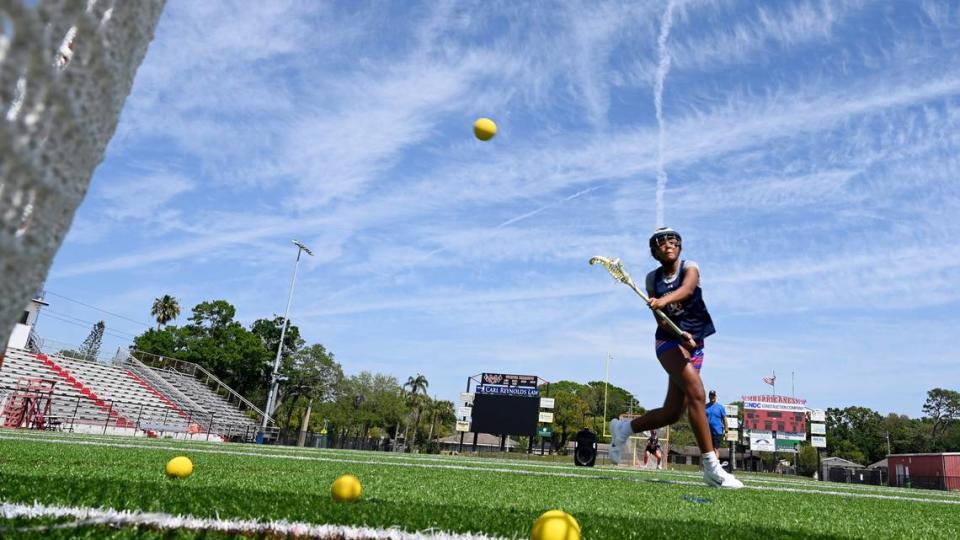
775,420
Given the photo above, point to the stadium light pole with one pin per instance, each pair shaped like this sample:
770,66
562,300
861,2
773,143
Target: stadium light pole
275,377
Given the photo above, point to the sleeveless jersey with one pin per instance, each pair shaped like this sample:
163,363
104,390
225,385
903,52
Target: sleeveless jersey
691,315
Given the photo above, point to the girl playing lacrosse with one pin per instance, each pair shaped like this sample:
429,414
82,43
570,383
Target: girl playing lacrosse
674,288
653,449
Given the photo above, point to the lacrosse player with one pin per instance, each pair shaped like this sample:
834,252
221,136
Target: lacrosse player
674,288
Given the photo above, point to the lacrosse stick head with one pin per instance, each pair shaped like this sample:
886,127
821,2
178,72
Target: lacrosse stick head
613,266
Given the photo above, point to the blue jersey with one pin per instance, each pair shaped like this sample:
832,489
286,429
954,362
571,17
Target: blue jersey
715,414
691,315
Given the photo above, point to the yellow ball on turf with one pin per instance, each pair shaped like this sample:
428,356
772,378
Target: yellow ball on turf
347,488
555,525
179,467
484,129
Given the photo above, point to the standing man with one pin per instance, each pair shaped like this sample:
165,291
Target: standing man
717,418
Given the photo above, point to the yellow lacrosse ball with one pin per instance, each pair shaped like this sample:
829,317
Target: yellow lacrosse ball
347,488
484,129
555,525
179,467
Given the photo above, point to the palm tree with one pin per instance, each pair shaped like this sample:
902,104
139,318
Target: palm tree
438,411
165,309
415,384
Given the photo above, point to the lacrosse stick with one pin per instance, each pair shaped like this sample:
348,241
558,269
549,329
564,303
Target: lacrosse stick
619,273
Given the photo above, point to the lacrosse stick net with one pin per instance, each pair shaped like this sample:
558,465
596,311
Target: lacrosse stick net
619,273
66,68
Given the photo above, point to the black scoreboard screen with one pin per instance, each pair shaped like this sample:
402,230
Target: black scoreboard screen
505,415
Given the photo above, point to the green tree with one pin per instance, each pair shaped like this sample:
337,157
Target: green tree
570,413
415,385
906,435
849,451
807,460
365,404
165,309
268,330
942,407
618,399
442,413
313,375
166,342
217,342
861,428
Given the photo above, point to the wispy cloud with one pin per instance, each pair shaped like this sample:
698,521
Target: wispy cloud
811,149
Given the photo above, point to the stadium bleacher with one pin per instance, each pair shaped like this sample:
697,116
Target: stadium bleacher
126,397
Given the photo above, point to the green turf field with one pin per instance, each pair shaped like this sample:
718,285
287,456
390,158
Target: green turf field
431,494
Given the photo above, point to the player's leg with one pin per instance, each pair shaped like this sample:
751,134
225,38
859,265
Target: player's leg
685,374
668,414
686,379
663,416
659,456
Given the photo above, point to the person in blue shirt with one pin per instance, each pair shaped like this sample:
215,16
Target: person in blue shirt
717,419
674,288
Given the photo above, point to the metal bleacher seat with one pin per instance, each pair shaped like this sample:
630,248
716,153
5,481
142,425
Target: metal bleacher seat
129,394
221,410
89,392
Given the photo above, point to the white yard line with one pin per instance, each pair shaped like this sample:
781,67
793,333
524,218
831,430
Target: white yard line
87,516
595,476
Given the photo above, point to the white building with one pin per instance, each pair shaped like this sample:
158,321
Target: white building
20,337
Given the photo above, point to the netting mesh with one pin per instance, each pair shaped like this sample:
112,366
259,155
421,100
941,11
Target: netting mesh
66,68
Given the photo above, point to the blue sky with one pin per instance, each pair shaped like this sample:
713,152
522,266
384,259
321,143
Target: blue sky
809,152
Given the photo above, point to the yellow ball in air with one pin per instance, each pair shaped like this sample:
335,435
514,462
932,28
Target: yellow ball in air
484,129
555,525
347,488
179,467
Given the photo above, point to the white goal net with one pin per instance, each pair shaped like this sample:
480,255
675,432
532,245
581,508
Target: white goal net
66,68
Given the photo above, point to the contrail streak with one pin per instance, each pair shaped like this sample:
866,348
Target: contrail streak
662,69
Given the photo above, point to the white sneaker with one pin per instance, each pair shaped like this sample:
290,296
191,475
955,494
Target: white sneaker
659,466
618,440
717,477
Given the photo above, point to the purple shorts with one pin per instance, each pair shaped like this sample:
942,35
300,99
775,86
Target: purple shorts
696,357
